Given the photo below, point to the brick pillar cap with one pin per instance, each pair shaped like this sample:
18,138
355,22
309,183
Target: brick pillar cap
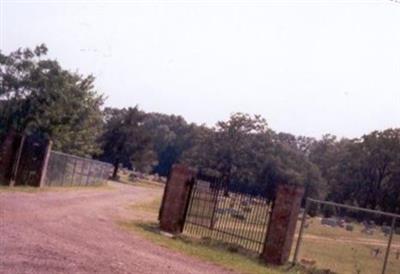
292,188
183,169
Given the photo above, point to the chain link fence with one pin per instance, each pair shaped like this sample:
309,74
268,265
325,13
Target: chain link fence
347,239
69,170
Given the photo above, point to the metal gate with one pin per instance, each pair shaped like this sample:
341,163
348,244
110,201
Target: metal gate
237,218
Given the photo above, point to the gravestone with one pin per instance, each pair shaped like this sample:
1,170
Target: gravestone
329,222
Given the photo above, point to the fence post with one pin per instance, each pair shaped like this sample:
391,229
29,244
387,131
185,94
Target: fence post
89,173
282,225
43,170
299,238
389,244
17,160
175,199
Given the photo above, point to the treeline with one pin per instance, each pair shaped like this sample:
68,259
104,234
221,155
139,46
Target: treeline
38,96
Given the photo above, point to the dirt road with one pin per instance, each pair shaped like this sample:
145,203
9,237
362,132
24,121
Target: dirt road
76,232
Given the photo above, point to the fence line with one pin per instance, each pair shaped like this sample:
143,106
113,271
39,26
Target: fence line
389,230
65,169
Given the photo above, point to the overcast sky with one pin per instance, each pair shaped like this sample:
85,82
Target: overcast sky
308,67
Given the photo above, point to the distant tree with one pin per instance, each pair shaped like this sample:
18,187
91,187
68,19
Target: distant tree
125,141
253,158
38,95
228,149
171,136
362,171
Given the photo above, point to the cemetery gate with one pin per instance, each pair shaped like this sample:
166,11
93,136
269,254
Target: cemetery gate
201,206
238,219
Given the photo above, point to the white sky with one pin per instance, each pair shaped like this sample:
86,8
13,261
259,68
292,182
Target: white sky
309,67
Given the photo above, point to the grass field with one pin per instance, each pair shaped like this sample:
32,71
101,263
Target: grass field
344,251
323,247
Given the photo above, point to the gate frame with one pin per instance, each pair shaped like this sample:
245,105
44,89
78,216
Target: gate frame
281,225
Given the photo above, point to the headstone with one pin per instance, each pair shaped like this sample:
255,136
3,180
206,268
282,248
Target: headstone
386,230
329,222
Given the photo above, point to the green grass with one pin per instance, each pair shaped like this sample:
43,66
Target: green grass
151,207
229,256
347,252
329,248
124,179
204,249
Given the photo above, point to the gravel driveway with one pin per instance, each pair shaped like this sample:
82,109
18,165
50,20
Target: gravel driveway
76,232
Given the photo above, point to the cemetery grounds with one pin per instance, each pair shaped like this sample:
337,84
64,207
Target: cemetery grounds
343,251
322,246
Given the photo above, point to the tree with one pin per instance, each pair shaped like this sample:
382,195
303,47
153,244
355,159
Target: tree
363,171
228,149
38,95
254,159
124,140
171,136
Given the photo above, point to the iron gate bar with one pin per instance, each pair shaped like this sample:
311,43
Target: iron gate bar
191,183
228,233
240,219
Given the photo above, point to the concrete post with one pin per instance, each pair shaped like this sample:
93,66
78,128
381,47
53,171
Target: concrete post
175,199
282,224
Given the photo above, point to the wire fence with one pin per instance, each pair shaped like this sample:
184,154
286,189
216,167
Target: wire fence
347,239
69,170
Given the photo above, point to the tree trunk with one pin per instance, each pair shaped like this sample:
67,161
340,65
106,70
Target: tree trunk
115,172
226,186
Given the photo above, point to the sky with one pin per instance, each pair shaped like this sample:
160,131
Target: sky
308,67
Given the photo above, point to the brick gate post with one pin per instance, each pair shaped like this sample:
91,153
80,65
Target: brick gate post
282,225
175,199
8,148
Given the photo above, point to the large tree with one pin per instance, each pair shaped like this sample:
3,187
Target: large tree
171,136
125,140
38,95
231,148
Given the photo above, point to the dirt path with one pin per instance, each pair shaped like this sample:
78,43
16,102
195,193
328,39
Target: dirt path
76,232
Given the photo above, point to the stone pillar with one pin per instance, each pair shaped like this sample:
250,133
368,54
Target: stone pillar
282,225
8,148
175,199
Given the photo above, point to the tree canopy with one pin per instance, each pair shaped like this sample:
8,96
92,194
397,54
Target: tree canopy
38,95
124,140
